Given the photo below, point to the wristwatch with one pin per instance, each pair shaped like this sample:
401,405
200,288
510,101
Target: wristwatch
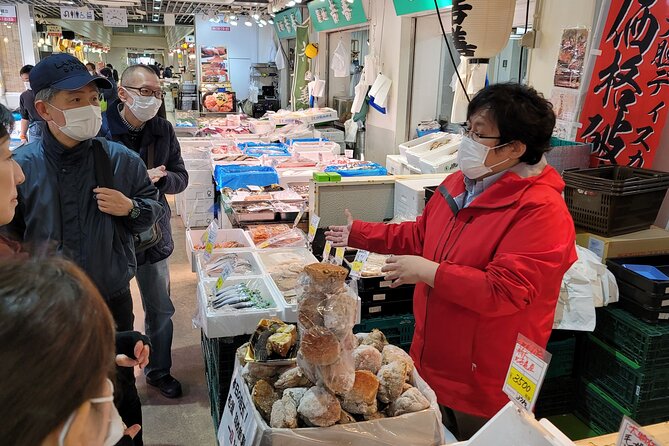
134,212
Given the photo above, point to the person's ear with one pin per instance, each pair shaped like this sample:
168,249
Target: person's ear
43,110
123,94
516,150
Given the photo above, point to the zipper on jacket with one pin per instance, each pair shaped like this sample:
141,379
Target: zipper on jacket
427,299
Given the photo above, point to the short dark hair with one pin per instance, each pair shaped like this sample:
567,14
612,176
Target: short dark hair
109,65
56,346
128,72
107,72
91,65
6,122
521,114
25,69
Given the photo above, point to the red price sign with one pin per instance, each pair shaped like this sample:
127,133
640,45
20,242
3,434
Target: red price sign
631,434
526,373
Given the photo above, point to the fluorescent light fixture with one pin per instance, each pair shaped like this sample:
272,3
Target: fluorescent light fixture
248,23
156,8
270,21
233,22
297,1
256,16
263,22
290,3
233,17
260,25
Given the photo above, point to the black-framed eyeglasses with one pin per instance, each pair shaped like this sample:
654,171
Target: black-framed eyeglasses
466,131
146,92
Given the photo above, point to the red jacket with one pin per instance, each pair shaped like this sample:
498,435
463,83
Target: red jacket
502,260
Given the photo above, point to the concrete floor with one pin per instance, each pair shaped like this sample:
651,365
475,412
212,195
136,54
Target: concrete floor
185,421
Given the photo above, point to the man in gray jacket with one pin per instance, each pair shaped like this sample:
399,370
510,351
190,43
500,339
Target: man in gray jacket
61,201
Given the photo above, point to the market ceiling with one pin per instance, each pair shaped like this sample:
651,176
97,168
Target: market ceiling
146,11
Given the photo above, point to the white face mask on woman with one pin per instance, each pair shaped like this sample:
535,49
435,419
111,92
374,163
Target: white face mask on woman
144,108
116,427
81,123
472,156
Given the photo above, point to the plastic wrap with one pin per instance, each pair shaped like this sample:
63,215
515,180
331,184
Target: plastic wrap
326,316
358,169
237,177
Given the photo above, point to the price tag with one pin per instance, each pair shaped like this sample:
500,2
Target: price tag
313,226
326,251
631,434
359,263
227,204
253,188
228,269
209,239
526,373
238,424
298,218
339,256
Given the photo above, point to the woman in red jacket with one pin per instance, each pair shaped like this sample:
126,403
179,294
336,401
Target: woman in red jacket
487,256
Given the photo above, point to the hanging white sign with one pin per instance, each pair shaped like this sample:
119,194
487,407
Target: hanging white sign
81,14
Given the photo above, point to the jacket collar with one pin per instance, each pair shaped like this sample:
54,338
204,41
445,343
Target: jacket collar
57,152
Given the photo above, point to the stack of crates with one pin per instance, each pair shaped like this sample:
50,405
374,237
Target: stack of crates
397,329
558,392
625,371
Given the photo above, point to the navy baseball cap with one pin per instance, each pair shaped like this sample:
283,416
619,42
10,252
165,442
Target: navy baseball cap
63,71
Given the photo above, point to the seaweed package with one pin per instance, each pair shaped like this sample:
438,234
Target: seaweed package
326,316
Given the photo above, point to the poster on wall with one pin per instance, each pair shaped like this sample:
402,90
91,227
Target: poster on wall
285,23
403,7
215,65
627,100
565,103
300,90
571,58
333,14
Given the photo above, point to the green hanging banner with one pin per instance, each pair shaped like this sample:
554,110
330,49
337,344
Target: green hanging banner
300,92
333,14
404,7
285,23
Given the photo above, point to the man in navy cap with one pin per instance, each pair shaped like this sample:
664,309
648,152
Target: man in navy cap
62,200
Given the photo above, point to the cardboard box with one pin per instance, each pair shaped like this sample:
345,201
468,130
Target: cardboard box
653,241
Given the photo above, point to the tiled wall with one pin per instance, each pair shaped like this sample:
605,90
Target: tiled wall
11,58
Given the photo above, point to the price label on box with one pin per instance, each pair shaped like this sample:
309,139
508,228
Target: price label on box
326,251
339,256
631,434
313,226
228,269
359,263
238,424
526,373
209,239
298,218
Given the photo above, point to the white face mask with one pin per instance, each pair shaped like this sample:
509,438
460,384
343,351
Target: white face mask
144,108
472,156
27,85
116,426
92,73
81,123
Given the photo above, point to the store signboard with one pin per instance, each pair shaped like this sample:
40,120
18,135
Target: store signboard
54,31
220,28
526,373
82,14
285,23
336,14
238,424
404,7
8,14
626,104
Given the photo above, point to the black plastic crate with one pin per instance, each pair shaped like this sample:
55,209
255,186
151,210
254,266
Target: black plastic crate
597,407
632,385
643,343
398,329
658,302
644,283
557,397
609,213
219,366
563,353
646,314
370,310
621,178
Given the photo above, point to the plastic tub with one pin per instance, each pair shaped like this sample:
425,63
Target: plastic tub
249,256
418,141
415,154
194,242
443,162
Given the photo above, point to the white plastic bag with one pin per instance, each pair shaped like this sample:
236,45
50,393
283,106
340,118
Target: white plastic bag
340,61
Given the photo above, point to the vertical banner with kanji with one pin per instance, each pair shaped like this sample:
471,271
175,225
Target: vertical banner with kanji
627,101
300,92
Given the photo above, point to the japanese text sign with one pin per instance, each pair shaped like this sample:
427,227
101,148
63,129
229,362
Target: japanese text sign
626,104
8,14
527,371
631,434
285,23
332,14
403,7
238,424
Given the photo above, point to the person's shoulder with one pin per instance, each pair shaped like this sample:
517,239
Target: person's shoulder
118,150
28,152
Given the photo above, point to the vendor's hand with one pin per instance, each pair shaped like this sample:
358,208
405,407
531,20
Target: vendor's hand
156,174
338,235
23,137
112,202
406,270
141,352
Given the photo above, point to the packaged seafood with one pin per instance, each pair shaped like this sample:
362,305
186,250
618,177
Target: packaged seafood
226,239
241,263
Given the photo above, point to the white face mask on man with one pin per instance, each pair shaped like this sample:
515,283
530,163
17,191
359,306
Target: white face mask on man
143,108
26,85
472,156
81,123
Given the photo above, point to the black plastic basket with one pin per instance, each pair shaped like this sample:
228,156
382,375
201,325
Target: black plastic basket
620,178
646,314
557,397
398,329
562,361
657,302
631,277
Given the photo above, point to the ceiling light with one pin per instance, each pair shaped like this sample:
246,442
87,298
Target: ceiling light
157,8
256,16
260,25
297,1
263,22
40,41
270,21
233,17
233,22
248,22
290,3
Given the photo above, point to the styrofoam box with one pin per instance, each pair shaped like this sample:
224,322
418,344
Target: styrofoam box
295,175
323,146
270,258
410,196
330,133
194,237
197,164
416,153
439,163
201,177
261,127
197,220
195,148
197,206
397,165
222,323
199,192
250,256
418,141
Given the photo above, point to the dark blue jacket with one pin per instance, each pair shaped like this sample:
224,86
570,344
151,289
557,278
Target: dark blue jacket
160,133
57,204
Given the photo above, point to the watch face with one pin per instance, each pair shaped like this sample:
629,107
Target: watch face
134,213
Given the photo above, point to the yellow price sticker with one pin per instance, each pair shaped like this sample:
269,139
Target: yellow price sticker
339,255
209,247
524,386
326,251
219,283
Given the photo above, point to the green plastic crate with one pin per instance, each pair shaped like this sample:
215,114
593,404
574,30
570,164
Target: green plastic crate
398,329
623,378
557,397
644,343
562,361
598,408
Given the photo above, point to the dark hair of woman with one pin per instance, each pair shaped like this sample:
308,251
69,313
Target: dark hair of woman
56,346
6,122
521,114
